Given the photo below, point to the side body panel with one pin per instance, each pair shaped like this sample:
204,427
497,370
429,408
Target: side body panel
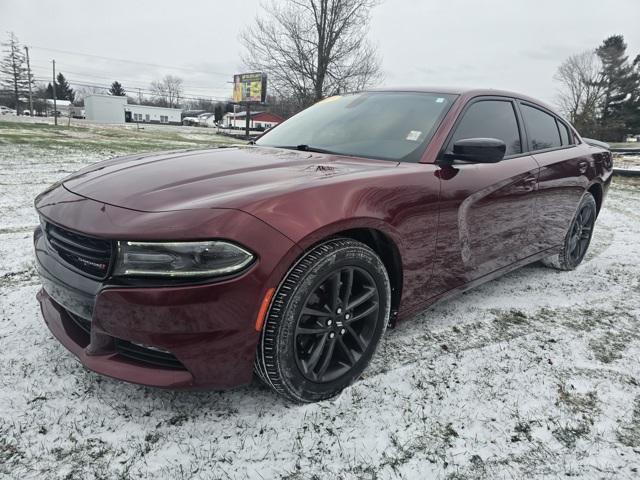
485,215
565,174
402,204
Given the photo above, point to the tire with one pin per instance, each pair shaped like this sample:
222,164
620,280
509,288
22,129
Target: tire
578,237
317,339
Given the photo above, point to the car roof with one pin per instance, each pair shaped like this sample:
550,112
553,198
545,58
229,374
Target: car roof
467,92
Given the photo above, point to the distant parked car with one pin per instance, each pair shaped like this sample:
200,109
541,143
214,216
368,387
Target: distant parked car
291,257
191,121
7,111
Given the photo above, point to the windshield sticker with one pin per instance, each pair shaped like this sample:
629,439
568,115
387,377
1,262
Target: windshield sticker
439,100
414,135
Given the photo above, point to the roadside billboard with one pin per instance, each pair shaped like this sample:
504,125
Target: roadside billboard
250,88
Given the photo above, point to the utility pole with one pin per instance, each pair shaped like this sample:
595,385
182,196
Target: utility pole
247,119
26,49
55,104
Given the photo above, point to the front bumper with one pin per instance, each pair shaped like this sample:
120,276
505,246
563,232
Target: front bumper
109,362
182,336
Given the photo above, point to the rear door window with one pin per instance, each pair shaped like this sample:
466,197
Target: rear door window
565,135
542,128
490,119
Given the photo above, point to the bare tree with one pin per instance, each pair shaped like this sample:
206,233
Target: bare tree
167,91
14,70
313,48
580,77
83,92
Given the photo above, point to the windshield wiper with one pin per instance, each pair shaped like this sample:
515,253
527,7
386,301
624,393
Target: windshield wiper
306,148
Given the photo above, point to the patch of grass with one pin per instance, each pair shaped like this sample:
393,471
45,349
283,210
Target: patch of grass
608,348
119,139
522,432
38,126
629,434
506,320
569,435
585,403
9,453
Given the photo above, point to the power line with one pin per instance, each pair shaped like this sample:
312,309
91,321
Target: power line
129,82
69,52
186,96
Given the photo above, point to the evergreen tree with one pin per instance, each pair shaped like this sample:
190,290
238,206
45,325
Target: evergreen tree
620,82
117,89
633,105
63,89
13,71
218,112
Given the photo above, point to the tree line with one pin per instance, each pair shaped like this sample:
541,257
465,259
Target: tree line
15,83
600,91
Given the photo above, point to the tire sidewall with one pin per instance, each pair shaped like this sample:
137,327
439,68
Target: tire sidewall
565,255
351,254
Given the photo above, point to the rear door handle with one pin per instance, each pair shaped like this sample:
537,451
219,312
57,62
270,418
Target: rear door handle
582,166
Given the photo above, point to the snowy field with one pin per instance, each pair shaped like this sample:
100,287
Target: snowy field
535,375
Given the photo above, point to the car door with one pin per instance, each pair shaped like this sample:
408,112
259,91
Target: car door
563,178
485,208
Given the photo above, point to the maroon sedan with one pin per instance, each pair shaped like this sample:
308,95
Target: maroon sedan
290,257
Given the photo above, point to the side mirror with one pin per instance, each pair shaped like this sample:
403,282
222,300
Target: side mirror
482,150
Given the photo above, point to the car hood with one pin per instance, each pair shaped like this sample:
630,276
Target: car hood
217,178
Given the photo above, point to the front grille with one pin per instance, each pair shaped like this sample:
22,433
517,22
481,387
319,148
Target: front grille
135,352
91,256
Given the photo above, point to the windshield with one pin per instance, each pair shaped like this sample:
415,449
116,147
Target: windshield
386,125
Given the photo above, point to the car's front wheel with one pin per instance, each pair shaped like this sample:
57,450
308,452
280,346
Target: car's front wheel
325,321
578,237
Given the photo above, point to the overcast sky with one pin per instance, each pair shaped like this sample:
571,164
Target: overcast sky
510,44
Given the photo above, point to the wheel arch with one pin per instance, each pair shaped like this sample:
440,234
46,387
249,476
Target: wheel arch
598,193
383,241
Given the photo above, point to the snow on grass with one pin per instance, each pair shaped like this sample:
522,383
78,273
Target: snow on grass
534,375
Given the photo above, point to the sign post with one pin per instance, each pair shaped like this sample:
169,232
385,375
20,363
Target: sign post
248,89
247,119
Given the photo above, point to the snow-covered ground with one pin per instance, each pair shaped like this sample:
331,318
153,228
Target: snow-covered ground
534,375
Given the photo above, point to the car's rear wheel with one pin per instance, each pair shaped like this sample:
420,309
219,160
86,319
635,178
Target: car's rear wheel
325,321
578,237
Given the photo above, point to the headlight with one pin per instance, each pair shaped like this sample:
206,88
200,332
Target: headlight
180,259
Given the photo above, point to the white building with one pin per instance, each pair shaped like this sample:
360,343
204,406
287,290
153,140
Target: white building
147,114
61,105
115,109
105,108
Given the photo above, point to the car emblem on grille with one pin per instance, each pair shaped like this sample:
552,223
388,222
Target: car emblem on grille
89,263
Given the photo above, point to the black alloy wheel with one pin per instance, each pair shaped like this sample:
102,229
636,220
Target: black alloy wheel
336,324
325,321
578,236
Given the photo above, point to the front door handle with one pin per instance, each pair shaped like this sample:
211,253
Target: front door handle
582,166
